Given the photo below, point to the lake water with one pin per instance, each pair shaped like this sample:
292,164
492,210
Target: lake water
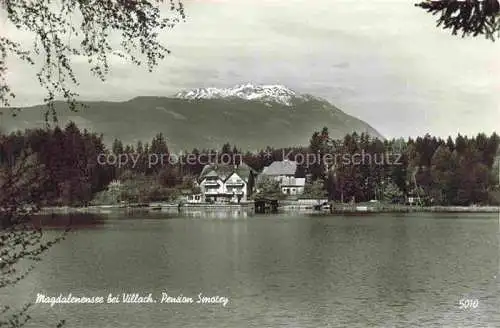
293,270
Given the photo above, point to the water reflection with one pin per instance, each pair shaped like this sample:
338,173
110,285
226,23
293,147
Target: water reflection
290,271
63,221
216,214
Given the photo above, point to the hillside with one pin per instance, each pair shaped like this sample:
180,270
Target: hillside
191,120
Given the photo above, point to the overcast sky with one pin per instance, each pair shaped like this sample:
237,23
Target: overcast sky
382,61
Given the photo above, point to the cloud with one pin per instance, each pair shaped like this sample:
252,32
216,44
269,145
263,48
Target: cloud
384,62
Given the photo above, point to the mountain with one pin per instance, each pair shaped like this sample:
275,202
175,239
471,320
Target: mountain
269,93
251,117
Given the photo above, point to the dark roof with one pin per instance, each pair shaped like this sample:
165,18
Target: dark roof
224,171
285,167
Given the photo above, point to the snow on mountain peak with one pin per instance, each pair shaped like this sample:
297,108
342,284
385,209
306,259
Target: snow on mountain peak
248,91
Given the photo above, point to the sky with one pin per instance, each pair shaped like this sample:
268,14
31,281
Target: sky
382,61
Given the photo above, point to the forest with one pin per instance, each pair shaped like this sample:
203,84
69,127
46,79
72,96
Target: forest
62,167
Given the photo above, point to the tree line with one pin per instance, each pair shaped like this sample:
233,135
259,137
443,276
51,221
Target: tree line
453,171
65,167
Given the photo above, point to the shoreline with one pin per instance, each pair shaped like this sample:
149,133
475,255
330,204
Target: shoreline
426,209
164,207
153,207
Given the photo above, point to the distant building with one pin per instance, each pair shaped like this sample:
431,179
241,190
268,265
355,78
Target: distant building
115,185
284,172
191,197
226,183
195,198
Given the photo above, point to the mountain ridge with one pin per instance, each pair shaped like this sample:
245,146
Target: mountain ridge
274,116
248,91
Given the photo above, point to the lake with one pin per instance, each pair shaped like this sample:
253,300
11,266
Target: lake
286,270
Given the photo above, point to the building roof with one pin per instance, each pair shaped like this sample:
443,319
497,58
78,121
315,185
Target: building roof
285,167
224,171
211,173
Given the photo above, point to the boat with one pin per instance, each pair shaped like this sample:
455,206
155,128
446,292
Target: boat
361,208
322,207
160,206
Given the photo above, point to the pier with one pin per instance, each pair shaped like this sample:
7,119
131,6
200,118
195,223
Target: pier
266,205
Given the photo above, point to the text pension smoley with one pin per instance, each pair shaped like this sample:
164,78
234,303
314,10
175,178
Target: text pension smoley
131,298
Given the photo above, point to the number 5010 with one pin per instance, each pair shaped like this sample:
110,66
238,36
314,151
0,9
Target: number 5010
469,303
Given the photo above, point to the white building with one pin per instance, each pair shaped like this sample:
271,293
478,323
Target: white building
115,185
195,198
293,186
226,183
284,172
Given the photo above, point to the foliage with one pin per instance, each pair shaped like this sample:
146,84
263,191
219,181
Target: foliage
269,188
392,192
68,172
443,167
142,189
459,171
452,172
69,163
40,167
170,176
21,243
468,17
106,197
315,190
58,166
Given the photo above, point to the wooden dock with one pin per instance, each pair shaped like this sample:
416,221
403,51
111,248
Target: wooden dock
266,205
